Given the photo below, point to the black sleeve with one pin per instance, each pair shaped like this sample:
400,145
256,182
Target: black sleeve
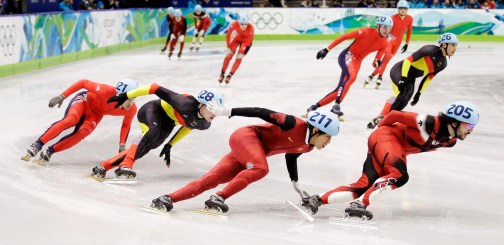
291,161
284,121
169,96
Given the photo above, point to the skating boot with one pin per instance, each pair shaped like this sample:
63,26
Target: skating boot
32,151
162,203
311,203
163,50
311,108
221,78
170,55
98,172
124,173
44,156
197,47
357,209
217,203
228,78
179,55
378,82
191,48
374,122
368,80
337,110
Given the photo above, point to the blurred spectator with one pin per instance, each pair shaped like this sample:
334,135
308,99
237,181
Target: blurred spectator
66,5
272,3
371,4
473,4
489,4
448,5
437,5
86,5
3,6
460,4
309,3
362,4
382,4
337,4
111,4
418,4
99,5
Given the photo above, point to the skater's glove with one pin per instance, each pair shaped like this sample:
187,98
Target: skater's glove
415,99
299,190
402,83
122,148
377,63
120,99
166,152
218,110
404,48
322,53
58,100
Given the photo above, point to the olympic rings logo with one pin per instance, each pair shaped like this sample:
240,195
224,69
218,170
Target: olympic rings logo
264,20
7,39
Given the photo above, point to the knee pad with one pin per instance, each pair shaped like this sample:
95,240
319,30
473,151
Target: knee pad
202,33
229,52
240,56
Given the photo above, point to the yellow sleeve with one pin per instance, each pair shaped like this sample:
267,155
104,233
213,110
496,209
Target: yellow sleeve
180,134
142,91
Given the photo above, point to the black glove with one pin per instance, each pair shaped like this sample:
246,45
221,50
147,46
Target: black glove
415,99
120,99
404,48
166,152
322,53
58,100
377,63
402,83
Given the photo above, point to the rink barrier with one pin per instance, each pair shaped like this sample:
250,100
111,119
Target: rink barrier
30,42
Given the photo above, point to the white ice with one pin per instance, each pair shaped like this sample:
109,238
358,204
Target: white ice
453,196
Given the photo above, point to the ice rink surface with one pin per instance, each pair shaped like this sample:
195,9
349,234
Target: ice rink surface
453,196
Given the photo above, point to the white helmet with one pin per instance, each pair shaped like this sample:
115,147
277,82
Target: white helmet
177,13
384,21
448,38
198,8
463,111
211,94
325,121
403,4
170,10
126,85
243,20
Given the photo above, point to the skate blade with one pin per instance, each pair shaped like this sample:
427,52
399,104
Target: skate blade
26,157
152,210
301,211
120,181
40,162
211,212
92,177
